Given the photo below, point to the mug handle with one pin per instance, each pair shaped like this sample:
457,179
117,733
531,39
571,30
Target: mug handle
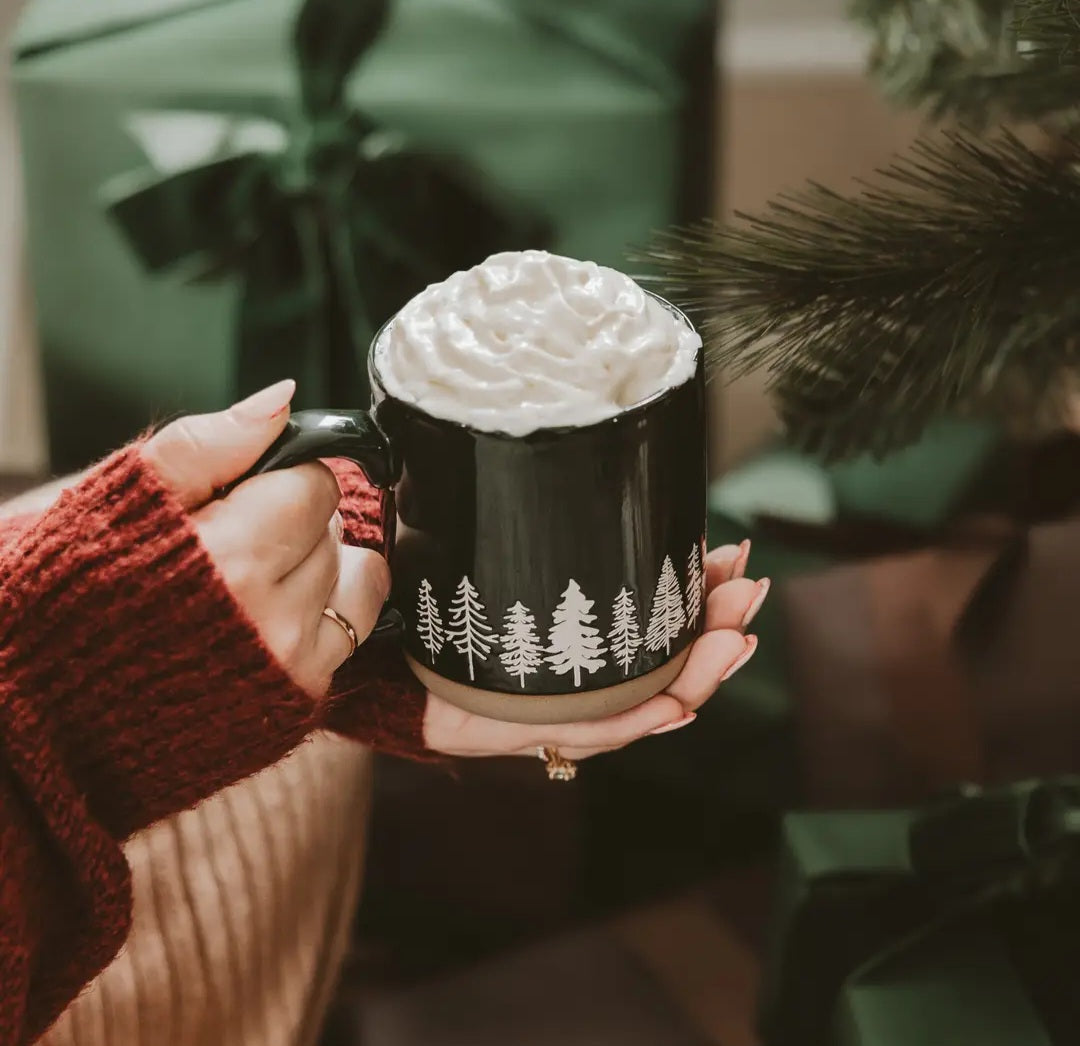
354,436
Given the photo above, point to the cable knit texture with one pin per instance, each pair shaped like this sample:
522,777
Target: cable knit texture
131,688
376,698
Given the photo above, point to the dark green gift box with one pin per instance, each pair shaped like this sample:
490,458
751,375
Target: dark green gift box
957,924
579,126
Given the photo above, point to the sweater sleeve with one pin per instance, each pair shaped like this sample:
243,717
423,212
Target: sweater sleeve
131,687
375,698
12,526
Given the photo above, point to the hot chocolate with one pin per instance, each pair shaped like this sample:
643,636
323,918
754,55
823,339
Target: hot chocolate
531,340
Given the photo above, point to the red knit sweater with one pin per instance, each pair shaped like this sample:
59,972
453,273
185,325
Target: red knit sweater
131,687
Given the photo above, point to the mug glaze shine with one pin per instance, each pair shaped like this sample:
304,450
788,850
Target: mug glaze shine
547,578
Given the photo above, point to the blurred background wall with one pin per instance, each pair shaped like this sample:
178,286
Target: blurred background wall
22,430
795,105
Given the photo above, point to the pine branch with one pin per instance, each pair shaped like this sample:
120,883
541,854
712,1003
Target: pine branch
952,284
1050,29
938,51
979,60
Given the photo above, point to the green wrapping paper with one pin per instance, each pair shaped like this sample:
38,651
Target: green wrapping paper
956,467
957,986
513,122
926,485
939,925
326,220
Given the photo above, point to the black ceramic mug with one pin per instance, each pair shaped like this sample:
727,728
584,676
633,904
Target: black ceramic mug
547,578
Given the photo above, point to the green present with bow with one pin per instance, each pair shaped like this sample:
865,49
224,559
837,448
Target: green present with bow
329,221
222,192
955,924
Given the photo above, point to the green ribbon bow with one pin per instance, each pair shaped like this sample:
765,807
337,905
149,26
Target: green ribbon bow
985,840
331,222
868,896
995,964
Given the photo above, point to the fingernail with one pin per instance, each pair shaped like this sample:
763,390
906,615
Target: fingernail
744,557
763,590
677,725
268,403
751,646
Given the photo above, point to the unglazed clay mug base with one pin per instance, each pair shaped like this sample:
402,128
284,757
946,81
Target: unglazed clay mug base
551,709
552,577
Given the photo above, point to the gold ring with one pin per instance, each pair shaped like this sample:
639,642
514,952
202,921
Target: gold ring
558,768
345,627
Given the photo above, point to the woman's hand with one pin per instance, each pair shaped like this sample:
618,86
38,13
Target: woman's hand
732,602
276,538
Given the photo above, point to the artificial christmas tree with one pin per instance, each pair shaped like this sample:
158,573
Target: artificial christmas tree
948,286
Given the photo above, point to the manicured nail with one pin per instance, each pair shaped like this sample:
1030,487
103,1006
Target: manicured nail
268,403
677,725
763,590
751,646
744,558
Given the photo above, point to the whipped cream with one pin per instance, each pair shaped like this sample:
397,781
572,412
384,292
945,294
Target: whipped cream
529,340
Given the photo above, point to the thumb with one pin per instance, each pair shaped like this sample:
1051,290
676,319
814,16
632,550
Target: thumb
196,455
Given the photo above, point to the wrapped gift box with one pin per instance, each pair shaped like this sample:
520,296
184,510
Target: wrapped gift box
954,923
927,484
958,985
593,121
956,466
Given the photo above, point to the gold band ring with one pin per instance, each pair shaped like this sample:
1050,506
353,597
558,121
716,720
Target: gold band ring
558,768
345,627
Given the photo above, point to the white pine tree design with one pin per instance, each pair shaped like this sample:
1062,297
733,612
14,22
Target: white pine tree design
521,647
428,621
625,634
573,644
469,629
668,616
695,585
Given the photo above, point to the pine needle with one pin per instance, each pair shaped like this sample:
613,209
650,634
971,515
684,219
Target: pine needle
950,283
978,60
1050,29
